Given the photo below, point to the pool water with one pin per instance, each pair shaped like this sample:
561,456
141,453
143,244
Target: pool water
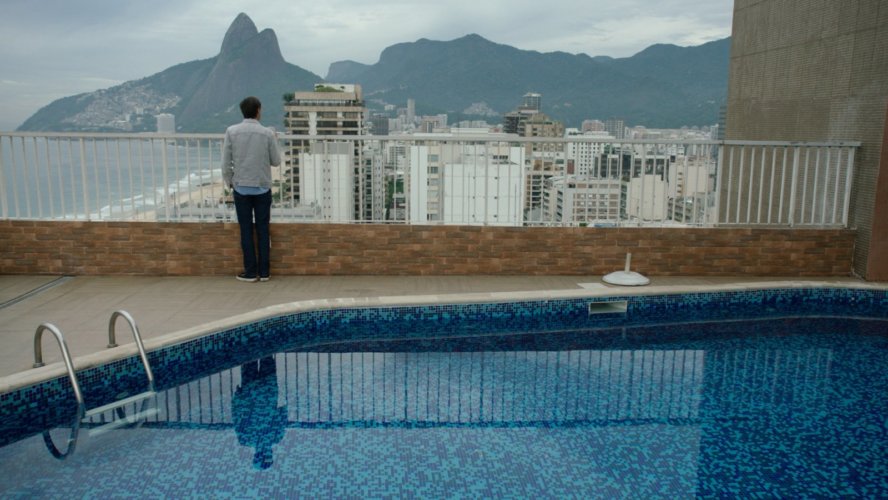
778,407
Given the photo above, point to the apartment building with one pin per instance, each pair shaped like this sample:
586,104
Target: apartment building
514,121
646,198
328,180
465,183
615,127
581,155
545,159
583,201
330,109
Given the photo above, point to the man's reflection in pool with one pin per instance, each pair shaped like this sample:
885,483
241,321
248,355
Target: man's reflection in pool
258,421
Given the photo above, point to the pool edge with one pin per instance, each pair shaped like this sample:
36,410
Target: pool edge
39,375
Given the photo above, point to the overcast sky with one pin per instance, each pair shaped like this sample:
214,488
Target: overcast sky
56,48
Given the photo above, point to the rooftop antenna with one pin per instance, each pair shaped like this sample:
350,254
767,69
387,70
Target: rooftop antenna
626,277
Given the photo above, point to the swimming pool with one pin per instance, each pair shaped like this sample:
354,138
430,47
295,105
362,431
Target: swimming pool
779,392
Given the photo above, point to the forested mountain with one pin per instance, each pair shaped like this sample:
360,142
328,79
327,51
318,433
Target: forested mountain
470,77
662,86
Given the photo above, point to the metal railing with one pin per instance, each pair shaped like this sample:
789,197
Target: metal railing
481,179
117,407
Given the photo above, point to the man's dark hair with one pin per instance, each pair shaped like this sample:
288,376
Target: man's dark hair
250,107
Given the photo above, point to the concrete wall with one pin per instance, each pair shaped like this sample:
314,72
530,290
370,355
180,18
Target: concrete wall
813,70
213,249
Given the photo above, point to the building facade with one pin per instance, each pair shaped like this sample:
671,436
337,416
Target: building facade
615,127
328,180
329,110
166,123
544,159
513,121
583,201
581,155
812,70
462,183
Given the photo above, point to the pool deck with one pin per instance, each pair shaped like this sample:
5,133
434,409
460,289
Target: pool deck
170,309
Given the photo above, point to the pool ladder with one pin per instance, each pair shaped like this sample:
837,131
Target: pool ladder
82,412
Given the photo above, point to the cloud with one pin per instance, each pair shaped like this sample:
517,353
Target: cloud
61,47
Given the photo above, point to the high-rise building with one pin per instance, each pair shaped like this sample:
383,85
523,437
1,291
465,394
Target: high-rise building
166,123
513,122
578,200
592,126
466,184
722,118
411,111
615,127
379,124
531,103
331,109
690,176
328,180
646,198
541,125
432,123
581,155
545,159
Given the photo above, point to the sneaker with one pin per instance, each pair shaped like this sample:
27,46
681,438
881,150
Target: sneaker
246,277
264,278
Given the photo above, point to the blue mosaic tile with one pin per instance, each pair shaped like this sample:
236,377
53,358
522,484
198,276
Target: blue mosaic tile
102,384
649,323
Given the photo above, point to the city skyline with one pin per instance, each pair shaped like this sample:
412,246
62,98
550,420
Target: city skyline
60,49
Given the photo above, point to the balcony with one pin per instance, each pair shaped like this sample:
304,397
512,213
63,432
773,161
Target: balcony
684,207
122,177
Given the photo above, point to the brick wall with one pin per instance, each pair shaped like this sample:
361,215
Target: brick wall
212,249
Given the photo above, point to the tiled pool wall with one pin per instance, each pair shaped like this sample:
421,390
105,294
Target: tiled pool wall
31,409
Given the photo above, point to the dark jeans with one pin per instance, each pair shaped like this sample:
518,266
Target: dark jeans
250,207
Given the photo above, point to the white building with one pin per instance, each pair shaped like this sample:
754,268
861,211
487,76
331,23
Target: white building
690,176
329,109
328,180
692,190
479,192
581,154
166,123
646,198
579,200
465,183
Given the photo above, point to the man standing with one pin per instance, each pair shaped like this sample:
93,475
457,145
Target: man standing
248,153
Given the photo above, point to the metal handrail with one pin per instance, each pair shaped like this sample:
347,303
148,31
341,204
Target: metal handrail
72,438
112,341
38,356
69,365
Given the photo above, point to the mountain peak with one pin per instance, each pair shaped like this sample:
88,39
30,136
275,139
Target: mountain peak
245,64
240,31
472,37
268,42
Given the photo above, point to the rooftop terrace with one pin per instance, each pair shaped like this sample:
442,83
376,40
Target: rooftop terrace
94,223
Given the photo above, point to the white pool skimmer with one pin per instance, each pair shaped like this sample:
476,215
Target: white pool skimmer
626,277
